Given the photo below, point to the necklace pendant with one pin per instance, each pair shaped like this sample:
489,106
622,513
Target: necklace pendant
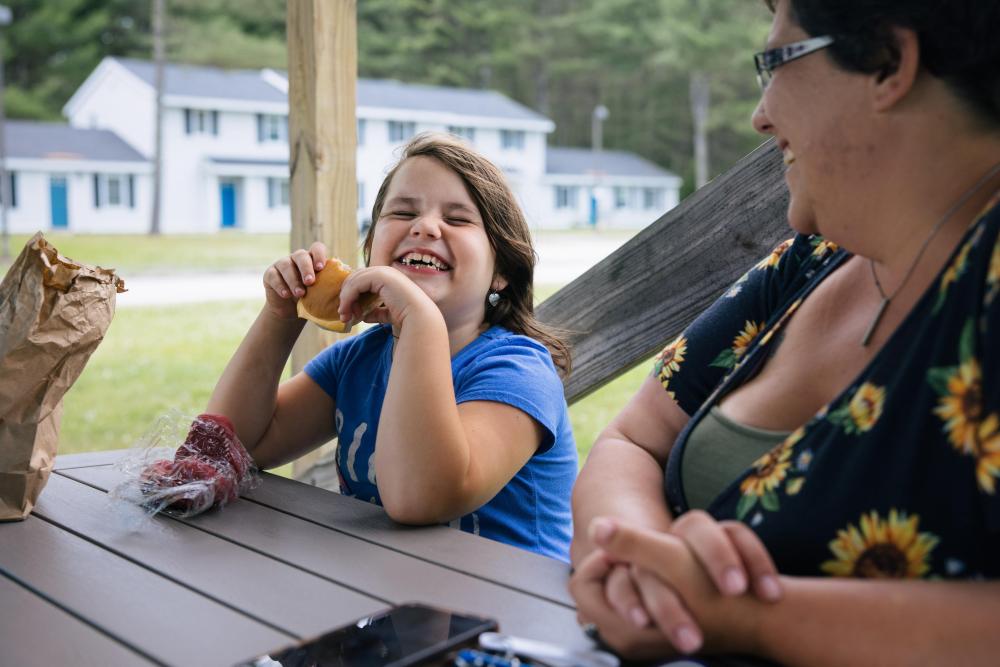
871,327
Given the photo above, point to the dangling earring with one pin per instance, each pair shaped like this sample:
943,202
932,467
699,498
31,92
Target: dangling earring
493,298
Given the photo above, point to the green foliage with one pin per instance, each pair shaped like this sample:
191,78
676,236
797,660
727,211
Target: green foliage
559,57
51,47
227,33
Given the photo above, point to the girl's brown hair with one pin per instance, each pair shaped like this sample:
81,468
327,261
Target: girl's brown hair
506,229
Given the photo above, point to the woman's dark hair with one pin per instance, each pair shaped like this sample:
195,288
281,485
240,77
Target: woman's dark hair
958,39
506,229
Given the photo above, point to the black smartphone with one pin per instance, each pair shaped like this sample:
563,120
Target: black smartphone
404,635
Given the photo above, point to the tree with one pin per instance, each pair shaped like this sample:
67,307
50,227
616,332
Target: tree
642,59
711,41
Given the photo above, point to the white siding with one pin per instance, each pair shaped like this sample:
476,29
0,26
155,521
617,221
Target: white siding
195,165
33,211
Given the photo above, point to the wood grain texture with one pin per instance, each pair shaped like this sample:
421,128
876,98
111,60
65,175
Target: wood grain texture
486,559
216,568
86,459
162,620
346,547
626,308
322,126
36,632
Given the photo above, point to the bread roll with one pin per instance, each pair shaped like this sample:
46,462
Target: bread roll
321,302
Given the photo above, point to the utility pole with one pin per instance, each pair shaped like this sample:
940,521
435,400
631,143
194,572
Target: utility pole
700,89
597,119
158,58
5,193
600,115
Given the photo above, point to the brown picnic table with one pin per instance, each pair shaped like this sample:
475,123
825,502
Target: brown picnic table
288,561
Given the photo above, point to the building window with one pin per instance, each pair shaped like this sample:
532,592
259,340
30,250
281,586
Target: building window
272,127
621,197
652,198
467,133
361,132
512,139
401,131
277,192
201,121
11,188
361,195
114,190
566,196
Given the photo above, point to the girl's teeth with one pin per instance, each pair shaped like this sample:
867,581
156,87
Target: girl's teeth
414,258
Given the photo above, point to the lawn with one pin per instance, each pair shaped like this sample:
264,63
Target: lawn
157,359
133,254
154,360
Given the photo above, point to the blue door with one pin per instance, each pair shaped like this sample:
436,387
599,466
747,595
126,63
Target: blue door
57,192
228,191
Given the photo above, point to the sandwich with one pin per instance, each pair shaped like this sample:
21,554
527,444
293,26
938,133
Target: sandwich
321,302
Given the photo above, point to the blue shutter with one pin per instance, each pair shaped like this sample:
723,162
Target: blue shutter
97,191
187,121
131,191
270,193
260,128
215,122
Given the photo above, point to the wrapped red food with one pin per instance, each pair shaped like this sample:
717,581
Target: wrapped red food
209,469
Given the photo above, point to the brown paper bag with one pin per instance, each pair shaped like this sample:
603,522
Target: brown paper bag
53,314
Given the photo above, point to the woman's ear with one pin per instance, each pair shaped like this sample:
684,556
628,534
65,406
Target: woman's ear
499,282
898,78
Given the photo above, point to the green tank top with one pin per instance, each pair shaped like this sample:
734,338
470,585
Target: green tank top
718,449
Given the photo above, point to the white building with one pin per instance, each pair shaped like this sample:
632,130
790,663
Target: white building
62,177
225,152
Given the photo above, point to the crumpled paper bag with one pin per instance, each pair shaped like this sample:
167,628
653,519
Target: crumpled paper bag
53,314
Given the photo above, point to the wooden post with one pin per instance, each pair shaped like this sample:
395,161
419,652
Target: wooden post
322,129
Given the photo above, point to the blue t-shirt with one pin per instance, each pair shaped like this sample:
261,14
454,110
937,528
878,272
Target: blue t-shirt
533,510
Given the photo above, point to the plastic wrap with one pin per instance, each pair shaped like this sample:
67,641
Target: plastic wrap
209,469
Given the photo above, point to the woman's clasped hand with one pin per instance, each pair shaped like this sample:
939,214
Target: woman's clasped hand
647,587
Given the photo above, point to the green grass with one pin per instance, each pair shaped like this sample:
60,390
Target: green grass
223,251
157,359
154,360
131,254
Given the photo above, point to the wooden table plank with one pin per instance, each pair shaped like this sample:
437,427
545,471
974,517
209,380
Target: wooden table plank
487,559
66,461
164,621
216,568
379,571
477,556
36,632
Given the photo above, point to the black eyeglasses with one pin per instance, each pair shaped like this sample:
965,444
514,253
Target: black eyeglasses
772,59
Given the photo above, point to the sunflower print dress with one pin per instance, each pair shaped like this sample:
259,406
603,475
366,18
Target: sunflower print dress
898,476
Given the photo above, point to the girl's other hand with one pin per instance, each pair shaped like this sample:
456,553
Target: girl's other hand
286,280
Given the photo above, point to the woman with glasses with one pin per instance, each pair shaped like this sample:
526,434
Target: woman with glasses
811,474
